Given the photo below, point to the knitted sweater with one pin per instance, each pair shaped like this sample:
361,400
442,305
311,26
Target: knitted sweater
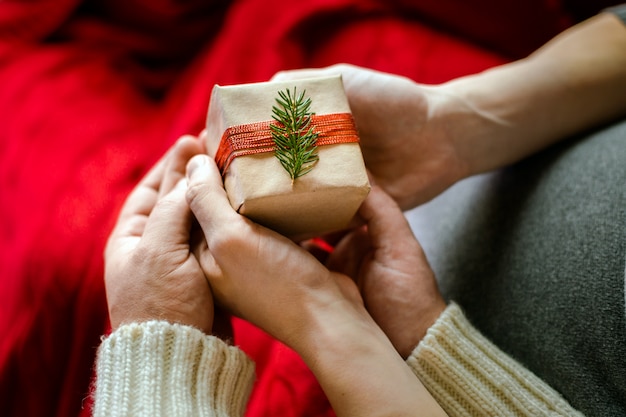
469,376
162,369
157,369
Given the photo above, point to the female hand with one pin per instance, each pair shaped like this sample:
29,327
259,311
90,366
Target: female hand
150,271
270,281
256,273
391,270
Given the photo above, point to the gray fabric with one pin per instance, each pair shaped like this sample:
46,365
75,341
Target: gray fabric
536,254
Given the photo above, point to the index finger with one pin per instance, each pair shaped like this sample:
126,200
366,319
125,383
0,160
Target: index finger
143,197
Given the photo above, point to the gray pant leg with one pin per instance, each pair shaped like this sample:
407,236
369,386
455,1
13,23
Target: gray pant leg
535,254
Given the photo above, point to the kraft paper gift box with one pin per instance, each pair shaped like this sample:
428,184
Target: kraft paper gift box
324,199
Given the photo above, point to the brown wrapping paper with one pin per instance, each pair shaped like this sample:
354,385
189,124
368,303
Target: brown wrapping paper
325,199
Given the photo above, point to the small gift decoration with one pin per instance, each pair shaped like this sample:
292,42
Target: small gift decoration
289,154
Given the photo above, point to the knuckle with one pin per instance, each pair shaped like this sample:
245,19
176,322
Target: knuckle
195,194
166,205
229,239
145,255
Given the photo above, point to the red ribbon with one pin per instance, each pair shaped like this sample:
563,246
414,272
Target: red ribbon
256,138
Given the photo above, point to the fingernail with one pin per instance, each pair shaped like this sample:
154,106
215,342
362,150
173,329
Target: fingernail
195,163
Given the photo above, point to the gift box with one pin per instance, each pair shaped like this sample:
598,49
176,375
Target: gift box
244,123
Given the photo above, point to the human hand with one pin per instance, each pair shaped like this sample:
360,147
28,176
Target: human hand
418,140
270,281
406,147
389,265
150,271
258,274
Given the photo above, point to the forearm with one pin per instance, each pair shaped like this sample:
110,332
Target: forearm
575,82
161,369
360,371
470,376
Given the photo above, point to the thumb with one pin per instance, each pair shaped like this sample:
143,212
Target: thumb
206,195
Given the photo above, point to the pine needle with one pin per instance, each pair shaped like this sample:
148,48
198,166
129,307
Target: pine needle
293,135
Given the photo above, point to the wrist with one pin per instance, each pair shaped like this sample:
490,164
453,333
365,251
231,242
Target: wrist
357,366
196,316
336,330
327,317
477,122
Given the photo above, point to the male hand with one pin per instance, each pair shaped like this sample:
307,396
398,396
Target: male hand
150,271
391,270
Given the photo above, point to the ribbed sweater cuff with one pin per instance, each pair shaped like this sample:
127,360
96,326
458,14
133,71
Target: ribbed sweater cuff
162,369
470,376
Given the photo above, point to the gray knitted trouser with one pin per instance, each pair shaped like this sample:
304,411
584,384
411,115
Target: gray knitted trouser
535,254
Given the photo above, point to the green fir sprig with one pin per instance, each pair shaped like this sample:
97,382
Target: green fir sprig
293,135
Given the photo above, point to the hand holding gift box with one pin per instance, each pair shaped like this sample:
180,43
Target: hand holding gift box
327,181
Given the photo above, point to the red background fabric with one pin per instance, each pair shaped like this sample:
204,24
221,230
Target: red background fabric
92,93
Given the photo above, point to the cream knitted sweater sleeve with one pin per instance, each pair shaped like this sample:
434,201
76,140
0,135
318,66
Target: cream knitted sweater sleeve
161,369
469,376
